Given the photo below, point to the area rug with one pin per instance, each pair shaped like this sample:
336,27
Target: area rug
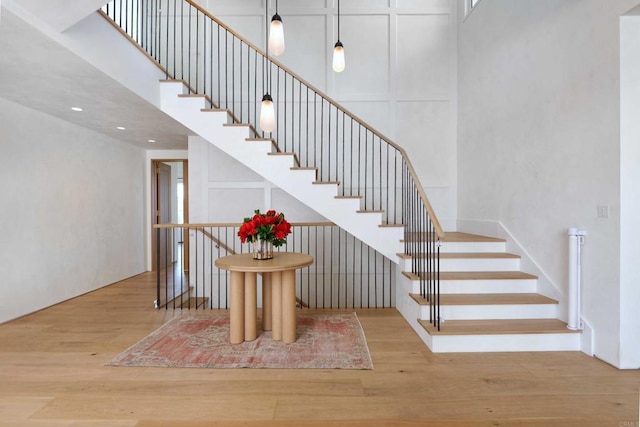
324,341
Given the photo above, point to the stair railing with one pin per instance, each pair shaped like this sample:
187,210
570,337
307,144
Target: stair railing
192,45
346,273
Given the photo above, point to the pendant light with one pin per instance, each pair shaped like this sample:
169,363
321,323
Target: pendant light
338,49
267,111
276,34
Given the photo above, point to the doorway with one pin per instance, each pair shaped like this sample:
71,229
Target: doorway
169,205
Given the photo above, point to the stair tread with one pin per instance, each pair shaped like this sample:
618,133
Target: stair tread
215,110
456,236
488,299
498,327
469,255
479,275
367,211
193,302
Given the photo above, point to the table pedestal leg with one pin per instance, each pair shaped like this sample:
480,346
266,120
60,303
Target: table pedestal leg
276,300
288,306
266,301
250,306
236,309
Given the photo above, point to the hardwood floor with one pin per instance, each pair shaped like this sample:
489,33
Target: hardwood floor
52,374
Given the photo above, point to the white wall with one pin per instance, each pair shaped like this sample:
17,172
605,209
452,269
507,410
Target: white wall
539,138
629,194
399,77
72,210
223,190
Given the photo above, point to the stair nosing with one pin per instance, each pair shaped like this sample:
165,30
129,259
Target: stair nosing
558,327
485,299
481,275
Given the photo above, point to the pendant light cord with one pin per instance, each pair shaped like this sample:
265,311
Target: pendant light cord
266,38
338,20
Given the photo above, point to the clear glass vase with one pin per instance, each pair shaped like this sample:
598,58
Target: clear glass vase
262,249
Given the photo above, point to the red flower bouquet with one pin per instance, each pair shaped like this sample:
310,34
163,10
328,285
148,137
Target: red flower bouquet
269,227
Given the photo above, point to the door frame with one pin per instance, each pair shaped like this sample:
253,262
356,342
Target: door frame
151,203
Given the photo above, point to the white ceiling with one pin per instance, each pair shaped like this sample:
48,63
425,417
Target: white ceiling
37,72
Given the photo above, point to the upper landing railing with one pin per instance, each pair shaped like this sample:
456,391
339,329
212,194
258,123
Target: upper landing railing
192,45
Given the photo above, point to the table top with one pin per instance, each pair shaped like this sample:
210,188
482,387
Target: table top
281,261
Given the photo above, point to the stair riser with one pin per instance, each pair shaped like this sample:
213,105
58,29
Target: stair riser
474,264
410,310
507,342
501,311
464,247
528,286
484,264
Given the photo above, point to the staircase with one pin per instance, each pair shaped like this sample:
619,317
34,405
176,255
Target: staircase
486,303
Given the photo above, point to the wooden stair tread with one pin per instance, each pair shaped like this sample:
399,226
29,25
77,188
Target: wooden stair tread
498,327
193,302
215,110
488,299
453,237
478,275
366,211
468,255
389,225
326,183
478,255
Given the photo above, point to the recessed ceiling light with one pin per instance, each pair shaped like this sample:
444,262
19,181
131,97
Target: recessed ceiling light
120,128
76,108
151,140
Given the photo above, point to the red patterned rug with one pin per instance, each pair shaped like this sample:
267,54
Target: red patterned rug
325,341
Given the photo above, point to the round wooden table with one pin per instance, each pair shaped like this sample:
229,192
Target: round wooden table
278,294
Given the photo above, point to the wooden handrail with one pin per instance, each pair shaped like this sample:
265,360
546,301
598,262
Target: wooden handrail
216,240
414,175
238,224
423,196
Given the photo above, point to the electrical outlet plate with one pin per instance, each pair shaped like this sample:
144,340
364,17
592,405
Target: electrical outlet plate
603,211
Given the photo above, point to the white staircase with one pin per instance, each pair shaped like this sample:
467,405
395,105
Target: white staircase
486,303
282,169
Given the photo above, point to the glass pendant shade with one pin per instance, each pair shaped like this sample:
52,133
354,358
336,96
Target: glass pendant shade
338,57
276,35
267,114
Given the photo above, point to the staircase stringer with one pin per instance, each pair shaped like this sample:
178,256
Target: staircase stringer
279,170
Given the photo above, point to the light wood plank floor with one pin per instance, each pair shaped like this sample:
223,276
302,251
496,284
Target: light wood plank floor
52,374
